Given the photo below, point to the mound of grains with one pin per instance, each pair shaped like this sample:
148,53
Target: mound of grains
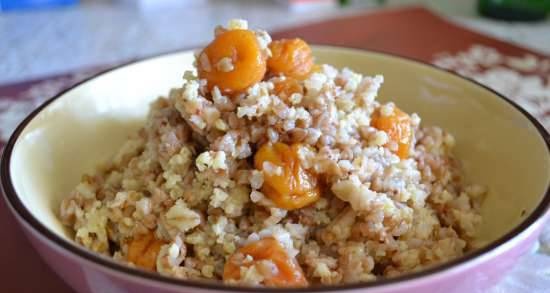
265,169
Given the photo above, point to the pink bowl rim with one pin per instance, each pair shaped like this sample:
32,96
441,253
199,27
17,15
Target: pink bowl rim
17,206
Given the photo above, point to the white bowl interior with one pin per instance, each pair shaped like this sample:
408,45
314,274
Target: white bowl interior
498,146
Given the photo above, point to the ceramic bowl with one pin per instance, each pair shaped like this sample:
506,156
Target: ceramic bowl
499,144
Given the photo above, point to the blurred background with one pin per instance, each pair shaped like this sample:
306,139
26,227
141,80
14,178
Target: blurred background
44,37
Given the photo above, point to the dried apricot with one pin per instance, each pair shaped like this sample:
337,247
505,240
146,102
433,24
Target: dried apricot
286,182
290,57
286,87
233,61
285,273
143,251
397,126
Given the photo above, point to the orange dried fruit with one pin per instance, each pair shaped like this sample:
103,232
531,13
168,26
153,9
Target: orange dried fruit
398,128
143,251
233,61
290,57
286,182
286,87
288,272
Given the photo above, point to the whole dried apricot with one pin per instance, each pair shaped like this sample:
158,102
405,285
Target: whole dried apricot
290,57
233,61
143,251
398,127
285,271
286,182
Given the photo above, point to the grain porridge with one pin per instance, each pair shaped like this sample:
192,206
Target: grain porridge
266,169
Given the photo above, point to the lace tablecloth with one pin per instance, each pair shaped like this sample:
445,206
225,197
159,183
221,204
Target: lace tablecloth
516,72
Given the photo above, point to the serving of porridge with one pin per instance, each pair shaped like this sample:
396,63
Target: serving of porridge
265,168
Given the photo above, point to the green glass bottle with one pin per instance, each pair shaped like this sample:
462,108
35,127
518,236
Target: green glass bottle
514,10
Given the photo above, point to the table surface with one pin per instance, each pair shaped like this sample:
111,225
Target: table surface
39,43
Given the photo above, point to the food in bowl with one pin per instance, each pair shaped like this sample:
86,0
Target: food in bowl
266,169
